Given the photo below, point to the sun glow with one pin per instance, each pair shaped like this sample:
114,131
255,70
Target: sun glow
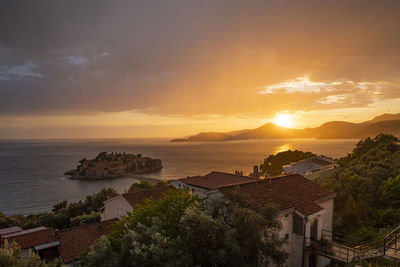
284,120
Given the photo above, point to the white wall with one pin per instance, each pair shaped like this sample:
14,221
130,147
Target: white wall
286,219
327,224
115,208
328,205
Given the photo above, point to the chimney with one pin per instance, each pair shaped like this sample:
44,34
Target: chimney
255,171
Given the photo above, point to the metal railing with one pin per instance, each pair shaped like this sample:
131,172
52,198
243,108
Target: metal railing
391,241
346,249
327,247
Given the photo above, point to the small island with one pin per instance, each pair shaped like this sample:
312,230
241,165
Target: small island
114,165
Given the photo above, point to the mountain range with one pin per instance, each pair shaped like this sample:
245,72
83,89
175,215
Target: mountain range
386,123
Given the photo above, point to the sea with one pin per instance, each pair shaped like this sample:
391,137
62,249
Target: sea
32,176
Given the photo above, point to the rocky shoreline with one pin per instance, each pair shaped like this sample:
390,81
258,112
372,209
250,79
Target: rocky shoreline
114,165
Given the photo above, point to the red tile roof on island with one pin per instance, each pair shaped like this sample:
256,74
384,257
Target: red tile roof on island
283,192
138,197
75,240
215,180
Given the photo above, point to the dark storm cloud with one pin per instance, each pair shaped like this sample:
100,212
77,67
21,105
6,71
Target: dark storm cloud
90,56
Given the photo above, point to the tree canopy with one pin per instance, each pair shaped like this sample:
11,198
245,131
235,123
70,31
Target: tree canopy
272,165
11,256
179,230
367,185
63,215
146,185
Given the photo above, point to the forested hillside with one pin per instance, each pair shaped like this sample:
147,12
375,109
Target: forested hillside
367,185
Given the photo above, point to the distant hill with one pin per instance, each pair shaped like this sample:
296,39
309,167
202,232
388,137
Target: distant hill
386,123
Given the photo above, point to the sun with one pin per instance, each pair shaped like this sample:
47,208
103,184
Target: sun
284,120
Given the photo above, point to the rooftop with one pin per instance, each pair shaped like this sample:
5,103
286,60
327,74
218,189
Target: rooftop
283,192
33,237
138,197
215,180
75,240
10,230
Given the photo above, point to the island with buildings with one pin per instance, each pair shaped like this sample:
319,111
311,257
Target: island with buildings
114,165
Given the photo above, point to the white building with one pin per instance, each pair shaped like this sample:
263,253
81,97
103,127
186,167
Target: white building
305,209
119,205
306,166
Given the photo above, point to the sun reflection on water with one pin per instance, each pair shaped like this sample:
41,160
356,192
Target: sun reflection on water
284,147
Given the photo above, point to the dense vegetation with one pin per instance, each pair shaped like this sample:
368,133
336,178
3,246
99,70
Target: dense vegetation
367,185
179,231
273,164
147,186
12,256
63,215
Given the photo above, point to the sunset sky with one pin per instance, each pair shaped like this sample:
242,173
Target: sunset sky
79,69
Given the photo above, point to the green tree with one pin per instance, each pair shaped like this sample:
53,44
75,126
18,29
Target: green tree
147,185
272,165
179,230
100,254
367,201
11,256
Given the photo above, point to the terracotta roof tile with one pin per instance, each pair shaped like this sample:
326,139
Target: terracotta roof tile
31,239
10,230
138,197
284,192
215,180
75,240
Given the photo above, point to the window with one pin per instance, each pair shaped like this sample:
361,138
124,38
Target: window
298,227
314,230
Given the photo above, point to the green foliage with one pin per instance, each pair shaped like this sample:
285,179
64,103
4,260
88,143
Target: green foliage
179,230
63,215
169,210
11,256
273,164
374,262
146,185
367,185
100,254
85,218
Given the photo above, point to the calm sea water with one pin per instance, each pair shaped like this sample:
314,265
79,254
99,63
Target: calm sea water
31,171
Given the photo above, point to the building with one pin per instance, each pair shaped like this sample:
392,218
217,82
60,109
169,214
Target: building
308,166
76,240
305,210
41,240
9,230
119,205
66,245
203,185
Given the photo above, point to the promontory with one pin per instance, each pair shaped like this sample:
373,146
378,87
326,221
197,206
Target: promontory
114,165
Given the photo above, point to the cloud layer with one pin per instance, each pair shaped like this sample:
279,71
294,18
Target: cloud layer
196,57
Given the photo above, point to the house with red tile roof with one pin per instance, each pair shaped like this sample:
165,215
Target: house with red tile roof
203,185
74,241
119,205
9,230
66,245
311,165
41,240
305,210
